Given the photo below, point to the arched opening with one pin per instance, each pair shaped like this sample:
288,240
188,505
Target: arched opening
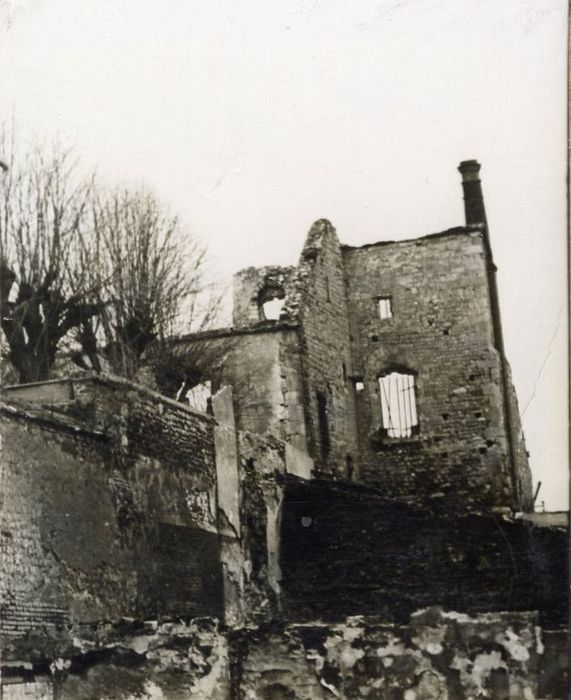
271,299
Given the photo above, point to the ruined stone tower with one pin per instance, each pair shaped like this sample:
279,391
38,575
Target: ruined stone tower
386,363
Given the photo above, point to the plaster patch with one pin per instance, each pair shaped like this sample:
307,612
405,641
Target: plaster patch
515,645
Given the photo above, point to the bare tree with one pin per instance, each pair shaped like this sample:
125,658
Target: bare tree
109,277
43,221
147,280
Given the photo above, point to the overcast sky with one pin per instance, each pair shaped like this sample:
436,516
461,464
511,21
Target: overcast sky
254,118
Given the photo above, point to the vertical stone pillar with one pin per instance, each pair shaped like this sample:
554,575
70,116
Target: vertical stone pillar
228,506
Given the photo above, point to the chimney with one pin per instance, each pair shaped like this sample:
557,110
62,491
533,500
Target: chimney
473,197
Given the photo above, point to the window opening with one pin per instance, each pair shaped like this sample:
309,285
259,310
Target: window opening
344,371
271,300
385,307
327,289
272,309
359,385
323,424
199,396
398,404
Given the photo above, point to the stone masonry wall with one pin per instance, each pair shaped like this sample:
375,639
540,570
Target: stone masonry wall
252,287
262,365
441,331
524,483
346,550
320,306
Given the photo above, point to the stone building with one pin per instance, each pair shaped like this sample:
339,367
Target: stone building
386,363
350,518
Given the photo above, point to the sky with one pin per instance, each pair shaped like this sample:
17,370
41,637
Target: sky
252,119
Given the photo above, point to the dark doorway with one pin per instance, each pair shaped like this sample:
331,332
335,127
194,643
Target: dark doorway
323,424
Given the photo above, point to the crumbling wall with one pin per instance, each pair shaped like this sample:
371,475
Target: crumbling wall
129,661
262,480
318,302
441,331
63,549
106,518
251,476
264,372
254,286
436,656
346,550
263,367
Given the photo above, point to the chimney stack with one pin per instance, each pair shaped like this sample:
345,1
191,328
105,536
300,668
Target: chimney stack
473,197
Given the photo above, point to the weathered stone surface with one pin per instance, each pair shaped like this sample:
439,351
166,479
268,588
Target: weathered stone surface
173,660
442,330
326,353
254,286
434,656
262,469
437,656
262,365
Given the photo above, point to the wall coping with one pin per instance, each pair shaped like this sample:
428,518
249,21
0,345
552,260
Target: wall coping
258,327
111,380
455,231
28,412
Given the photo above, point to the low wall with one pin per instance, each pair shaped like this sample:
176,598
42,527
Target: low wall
433,656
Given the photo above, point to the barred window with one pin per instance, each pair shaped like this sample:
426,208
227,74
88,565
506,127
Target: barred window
398,404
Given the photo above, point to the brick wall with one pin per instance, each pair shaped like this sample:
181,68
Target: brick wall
441,331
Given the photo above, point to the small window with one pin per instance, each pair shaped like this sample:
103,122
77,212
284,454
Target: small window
199,396
385,307
398,404
272,309
359,385
327,289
